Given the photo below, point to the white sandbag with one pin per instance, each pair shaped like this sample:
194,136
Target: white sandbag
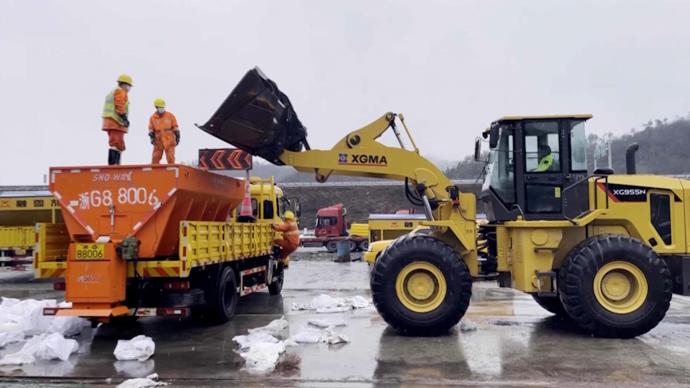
263,356
466,325
142,382
42,347
276,327
247,340
330,337
139,348
11,335
359,302
327,322
26,316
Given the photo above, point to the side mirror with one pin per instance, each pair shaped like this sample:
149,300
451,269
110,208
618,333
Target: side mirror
493,137
477,149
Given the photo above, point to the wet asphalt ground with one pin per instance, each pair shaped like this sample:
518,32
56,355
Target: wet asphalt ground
515,343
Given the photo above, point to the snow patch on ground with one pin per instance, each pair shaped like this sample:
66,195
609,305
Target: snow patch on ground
139,348
327,304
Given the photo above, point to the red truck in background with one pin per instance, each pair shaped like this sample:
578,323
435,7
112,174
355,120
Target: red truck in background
331,227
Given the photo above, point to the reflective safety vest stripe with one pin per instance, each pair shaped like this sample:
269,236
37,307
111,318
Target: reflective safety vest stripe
545,163
109,108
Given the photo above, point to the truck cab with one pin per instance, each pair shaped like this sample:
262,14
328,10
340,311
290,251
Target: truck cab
268,201
330,221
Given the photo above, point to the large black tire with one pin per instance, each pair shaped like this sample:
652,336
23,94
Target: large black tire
578,280
363,245
331,246
276,287
551,304
393,266
222,301
353,245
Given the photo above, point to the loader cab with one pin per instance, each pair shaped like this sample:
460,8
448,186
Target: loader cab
533,162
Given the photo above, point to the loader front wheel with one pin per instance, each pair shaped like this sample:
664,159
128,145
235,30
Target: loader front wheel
421,286
615,286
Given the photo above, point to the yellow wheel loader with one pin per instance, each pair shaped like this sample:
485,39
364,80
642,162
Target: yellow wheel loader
603,249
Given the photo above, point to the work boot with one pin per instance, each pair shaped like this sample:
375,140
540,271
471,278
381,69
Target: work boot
118,155
112,157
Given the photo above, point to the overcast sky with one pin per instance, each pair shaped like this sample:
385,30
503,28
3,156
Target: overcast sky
451,66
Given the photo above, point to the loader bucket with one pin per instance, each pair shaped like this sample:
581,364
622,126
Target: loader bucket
258,118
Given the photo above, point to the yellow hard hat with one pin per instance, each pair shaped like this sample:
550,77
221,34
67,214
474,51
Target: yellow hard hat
159,103
124,78
289,215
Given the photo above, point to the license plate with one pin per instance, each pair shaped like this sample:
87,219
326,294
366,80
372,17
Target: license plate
90,252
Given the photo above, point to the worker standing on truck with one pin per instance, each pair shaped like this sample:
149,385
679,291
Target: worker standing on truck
290,240
115,118
164,133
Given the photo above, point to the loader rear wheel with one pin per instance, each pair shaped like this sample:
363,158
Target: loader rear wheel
615,286
222,303
421,286
551,304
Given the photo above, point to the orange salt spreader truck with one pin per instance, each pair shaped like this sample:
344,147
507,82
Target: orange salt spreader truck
162,240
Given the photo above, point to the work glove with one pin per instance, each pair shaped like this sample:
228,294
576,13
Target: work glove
177,137
125,121
152,136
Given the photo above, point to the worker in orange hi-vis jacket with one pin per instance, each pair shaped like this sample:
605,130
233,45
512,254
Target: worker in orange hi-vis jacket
290,241
115,120
164,133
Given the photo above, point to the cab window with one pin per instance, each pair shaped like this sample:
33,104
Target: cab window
501,168
542,151
327,221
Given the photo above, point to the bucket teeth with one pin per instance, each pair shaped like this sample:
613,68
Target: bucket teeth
258,118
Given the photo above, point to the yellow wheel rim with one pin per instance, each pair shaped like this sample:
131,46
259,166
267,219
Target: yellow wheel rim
421,287
620,287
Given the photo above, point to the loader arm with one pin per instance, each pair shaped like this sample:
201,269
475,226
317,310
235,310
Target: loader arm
258,118
360,154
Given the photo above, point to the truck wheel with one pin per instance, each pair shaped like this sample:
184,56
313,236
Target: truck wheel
421,286
331,246
363,245
223,302
276,286
353,245
551,304
615,286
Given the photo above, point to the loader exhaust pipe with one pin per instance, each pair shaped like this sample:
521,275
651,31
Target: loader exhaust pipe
630,158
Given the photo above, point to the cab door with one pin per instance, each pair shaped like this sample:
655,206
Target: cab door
547,168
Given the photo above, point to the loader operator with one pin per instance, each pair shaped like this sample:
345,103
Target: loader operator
290,240
115,120
164,133
545,158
